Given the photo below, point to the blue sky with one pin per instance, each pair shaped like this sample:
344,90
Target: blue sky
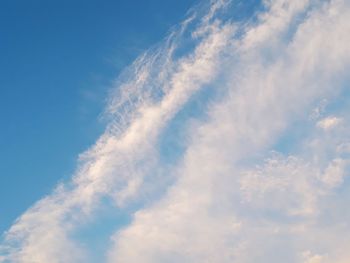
144,132
58,59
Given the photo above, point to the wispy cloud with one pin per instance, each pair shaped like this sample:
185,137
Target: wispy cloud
232,196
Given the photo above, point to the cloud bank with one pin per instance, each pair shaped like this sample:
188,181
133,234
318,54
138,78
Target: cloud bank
227,142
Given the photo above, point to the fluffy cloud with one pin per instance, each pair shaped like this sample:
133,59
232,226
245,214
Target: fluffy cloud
220,210
329,123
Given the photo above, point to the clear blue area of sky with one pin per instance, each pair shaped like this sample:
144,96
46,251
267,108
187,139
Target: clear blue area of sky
57,60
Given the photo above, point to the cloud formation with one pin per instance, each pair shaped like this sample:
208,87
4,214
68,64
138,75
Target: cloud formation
329,123
256,180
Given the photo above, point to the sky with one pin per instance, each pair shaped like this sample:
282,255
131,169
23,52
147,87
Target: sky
58,61
175,131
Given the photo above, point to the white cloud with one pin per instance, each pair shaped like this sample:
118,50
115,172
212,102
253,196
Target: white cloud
329,122
121,158
274,81
308,257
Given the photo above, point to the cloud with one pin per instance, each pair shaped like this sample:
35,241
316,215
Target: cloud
219,211
309,258
329,123
232,197
121,158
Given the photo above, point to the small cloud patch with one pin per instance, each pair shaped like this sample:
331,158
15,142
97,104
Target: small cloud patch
329,123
